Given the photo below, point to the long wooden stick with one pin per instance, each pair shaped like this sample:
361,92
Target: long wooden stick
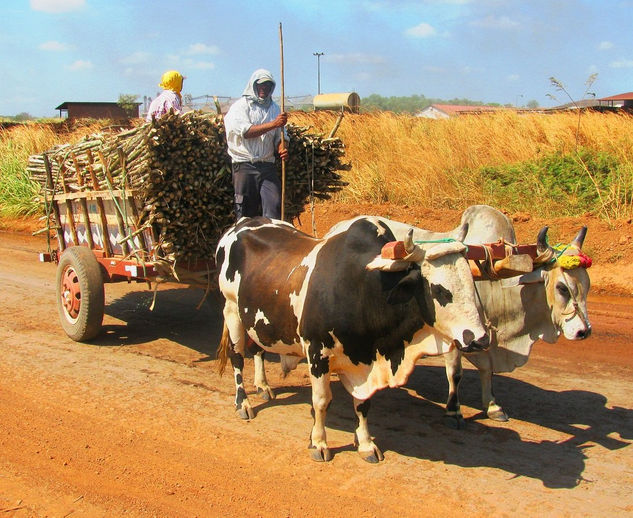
283,141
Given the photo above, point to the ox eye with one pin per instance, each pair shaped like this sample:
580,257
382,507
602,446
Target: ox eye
562,290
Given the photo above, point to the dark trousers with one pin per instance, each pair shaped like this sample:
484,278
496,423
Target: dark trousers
257,190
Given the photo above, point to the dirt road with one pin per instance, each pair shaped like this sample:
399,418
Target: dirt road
140,424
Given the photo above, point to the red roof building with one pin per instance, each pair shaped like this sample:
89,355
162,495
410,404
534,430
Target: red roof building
444,111
619,101
96,110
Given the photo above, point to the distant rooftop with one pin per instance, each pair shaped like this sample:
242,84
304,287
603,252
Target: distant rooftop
459,108
64,105
620,97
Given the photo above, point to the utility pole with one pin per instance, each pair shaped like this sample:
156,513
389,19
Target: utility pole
516,104
318,55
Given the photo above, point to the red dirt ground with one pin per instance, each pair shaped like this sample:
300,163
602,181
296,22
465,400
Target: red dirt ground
139,423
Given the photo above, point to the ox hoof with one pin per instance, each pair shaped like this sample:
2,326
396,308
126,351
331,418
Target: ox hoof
320,455
373,457
245,413
498,415
456,422
265,393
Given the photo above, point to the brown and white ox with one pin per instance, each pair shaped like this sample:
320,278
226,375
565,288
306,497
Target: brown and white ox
337,302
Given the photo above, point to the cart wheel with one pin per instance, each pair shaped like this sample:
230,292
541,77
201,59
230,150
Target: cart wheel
80,293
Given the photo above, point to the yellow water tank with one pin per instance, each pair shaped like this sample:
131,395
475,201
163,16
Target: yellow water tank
349,101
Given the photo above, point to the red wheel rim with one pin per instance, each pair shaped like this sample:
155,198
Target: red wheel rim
71,294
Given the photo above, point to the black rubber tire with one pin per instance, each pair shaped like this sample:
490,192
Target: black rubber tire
79,269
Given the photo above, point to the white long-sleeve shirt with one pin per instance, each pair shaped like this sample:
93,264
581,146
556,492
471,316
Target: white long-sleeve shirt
241,116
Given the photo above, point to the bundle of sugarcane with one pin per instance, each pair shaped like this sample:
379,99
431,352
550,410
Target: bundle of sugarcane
312,169
180,171
188,193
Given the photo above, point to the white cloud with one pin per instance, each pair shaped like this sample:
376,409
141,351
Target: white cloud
357,57
605,45
56,6
513,78
495,22
622,63
54,46
136,58
80,64
198,65
423,30
471,70
202,48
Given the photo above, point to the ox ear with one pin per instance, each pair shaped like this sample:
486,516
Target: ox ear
406,288
534,277
442,249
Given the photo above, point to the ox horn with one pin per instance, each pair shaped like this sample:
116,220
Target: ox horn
544,251
580,238
409,246
541,241
461,232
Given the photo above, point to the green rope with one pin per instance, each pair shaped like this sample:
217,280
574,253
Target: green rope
446,240
560,249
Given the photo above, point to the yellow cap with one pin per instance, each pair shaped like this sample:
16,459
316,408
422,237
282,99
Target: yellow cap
171,80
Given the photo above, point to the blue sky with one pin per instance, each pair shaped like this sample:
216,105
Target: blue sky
485,50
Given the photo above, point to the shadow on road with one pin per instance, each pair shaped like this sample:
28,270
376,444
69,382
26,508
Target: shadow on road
175,316
409,420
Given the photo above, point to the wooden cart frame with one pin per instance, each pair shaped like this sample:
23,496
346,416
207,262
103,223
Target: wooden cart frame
98,241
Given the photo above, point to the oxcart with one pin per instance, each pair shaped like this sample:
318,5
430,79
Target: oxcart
98,241
149,204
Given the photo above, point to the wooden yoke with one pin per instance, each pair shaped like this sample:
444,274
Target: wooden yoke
498,260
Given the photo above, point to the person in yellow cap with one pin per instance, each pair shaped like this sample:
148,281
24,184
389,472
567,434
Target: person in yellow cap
169,98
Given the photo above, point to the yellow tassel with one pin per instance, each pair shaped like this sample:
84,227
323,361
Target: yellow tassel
569,262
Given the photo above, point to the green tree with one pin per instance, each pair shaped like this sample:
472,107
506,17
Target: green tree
128,103
23,116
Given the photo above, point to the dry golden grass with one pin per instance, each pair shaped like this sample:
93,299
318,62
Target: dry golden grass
28,139
18,192
409,160
405,159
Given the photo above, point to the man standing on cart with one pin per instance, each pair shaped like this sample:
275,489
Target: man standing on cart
253,133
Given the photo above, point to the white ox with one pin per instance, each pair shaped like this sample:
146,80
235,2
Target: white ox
543,304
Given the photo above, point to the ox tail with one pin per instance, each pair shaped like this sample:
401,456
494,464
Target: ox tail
223,349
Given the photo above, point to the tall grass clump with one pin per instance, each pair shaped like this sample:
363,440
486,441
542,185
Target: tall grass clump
472,159
18,193
562,184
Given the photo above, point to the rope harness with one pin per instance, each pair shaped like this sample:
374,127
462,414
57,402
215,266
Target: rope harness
487,322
